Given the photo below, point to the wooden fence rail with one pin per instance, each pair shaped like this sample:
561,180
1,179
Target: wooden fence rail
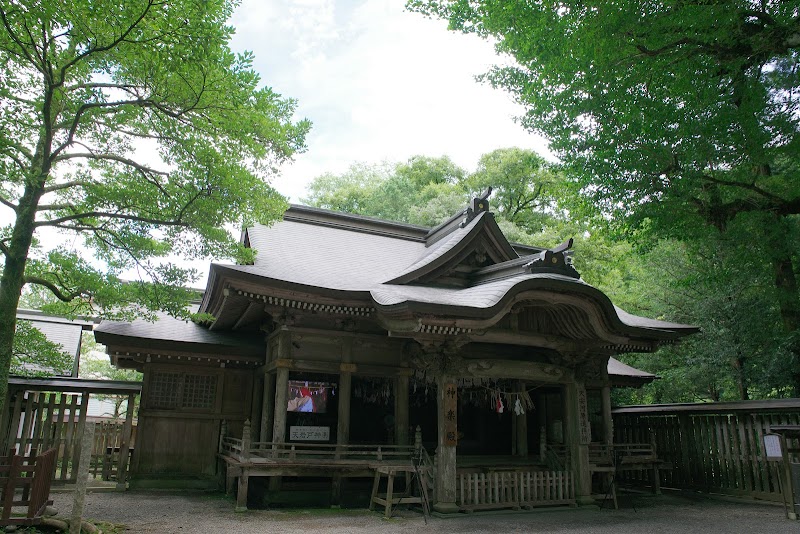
711,447
514,489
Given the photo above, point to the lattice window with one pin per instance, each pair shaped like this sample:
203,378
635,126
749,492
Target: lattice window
199,391
164,390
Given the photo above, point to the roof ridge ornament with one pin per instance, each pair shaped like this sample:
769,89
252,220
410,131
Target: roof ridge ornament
478,205
554,260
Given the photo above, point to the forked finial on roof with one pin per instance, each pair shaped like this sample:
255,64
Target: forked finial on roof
478,205
555,260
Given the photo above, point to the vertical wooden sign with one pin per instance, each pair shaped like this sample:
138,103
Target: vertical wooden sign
450,414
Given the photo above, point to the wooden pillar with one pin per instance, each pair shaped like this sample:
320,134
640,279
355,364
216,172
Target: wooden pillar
343,425
244,477
281,402
124,450
279,419
522,423
540,406
401,410
268,408
346,370
446,449
608,420
257,405
578,437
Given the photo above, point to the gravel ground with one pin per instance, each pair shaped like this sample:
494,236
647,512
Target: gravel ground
212,513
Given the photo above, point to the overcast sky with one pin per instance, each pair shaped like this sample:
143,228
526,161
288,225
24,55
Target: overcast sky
378,83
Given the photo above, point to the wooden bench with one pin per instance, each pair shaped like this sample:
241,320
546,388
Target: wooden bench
640,457
389,499
610,460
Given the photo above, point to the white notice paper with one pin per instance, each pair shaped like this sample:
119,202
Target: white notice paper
772,446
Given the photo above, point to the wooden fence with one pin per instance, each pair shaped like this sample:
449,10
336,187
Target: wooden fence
715,448
39,420
514,489
110,439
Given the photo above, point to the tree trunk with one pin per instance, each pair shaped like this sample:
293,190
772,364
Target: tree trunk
741,381
16,256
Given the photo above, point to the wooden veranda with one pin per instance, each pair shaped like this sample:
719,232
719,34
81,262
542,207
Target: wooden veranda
483,483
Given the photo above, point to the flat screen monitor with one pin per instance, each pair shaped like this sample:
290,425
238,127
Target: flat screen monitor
309,397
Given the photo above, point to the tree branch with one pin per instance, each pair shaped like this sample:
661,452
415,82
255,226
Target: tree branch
65,185
110,215
64,297
750,187
4,201
110,157
94,50
36,62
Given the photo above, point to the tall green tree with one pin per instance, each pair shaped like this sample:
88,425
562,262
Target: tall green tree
670,116
132,125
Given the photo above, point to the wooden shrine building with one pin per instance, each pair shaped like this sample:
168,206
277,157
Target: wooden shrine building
348,333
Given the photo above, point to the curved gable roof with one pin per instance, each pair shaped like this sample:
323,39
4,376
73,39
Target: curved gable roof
449,251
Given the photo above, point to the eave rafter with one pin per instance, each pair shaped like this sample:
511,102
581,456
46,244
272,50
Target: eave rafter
145,356
314,307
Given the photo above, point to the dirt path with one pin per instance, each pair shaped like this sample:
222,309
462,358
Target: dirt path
151,512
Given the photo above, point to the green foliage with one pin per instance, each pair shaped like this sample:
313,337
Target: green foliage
95,363
742,350
35,355
143,132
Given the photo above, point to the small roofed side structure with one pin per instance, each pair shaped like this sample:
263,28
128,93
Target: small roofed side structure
60,331
623,375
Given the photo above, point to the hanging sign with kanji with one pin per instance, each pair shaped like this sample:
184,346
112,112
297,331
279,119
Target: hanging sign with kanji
450,414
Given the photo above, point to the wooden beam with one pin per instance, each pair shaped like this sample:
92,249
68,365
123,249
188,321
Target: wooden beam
253,310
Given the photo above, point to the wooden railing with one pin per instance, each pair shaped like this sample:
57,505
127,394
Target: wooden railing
33,475
514,489
259,452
